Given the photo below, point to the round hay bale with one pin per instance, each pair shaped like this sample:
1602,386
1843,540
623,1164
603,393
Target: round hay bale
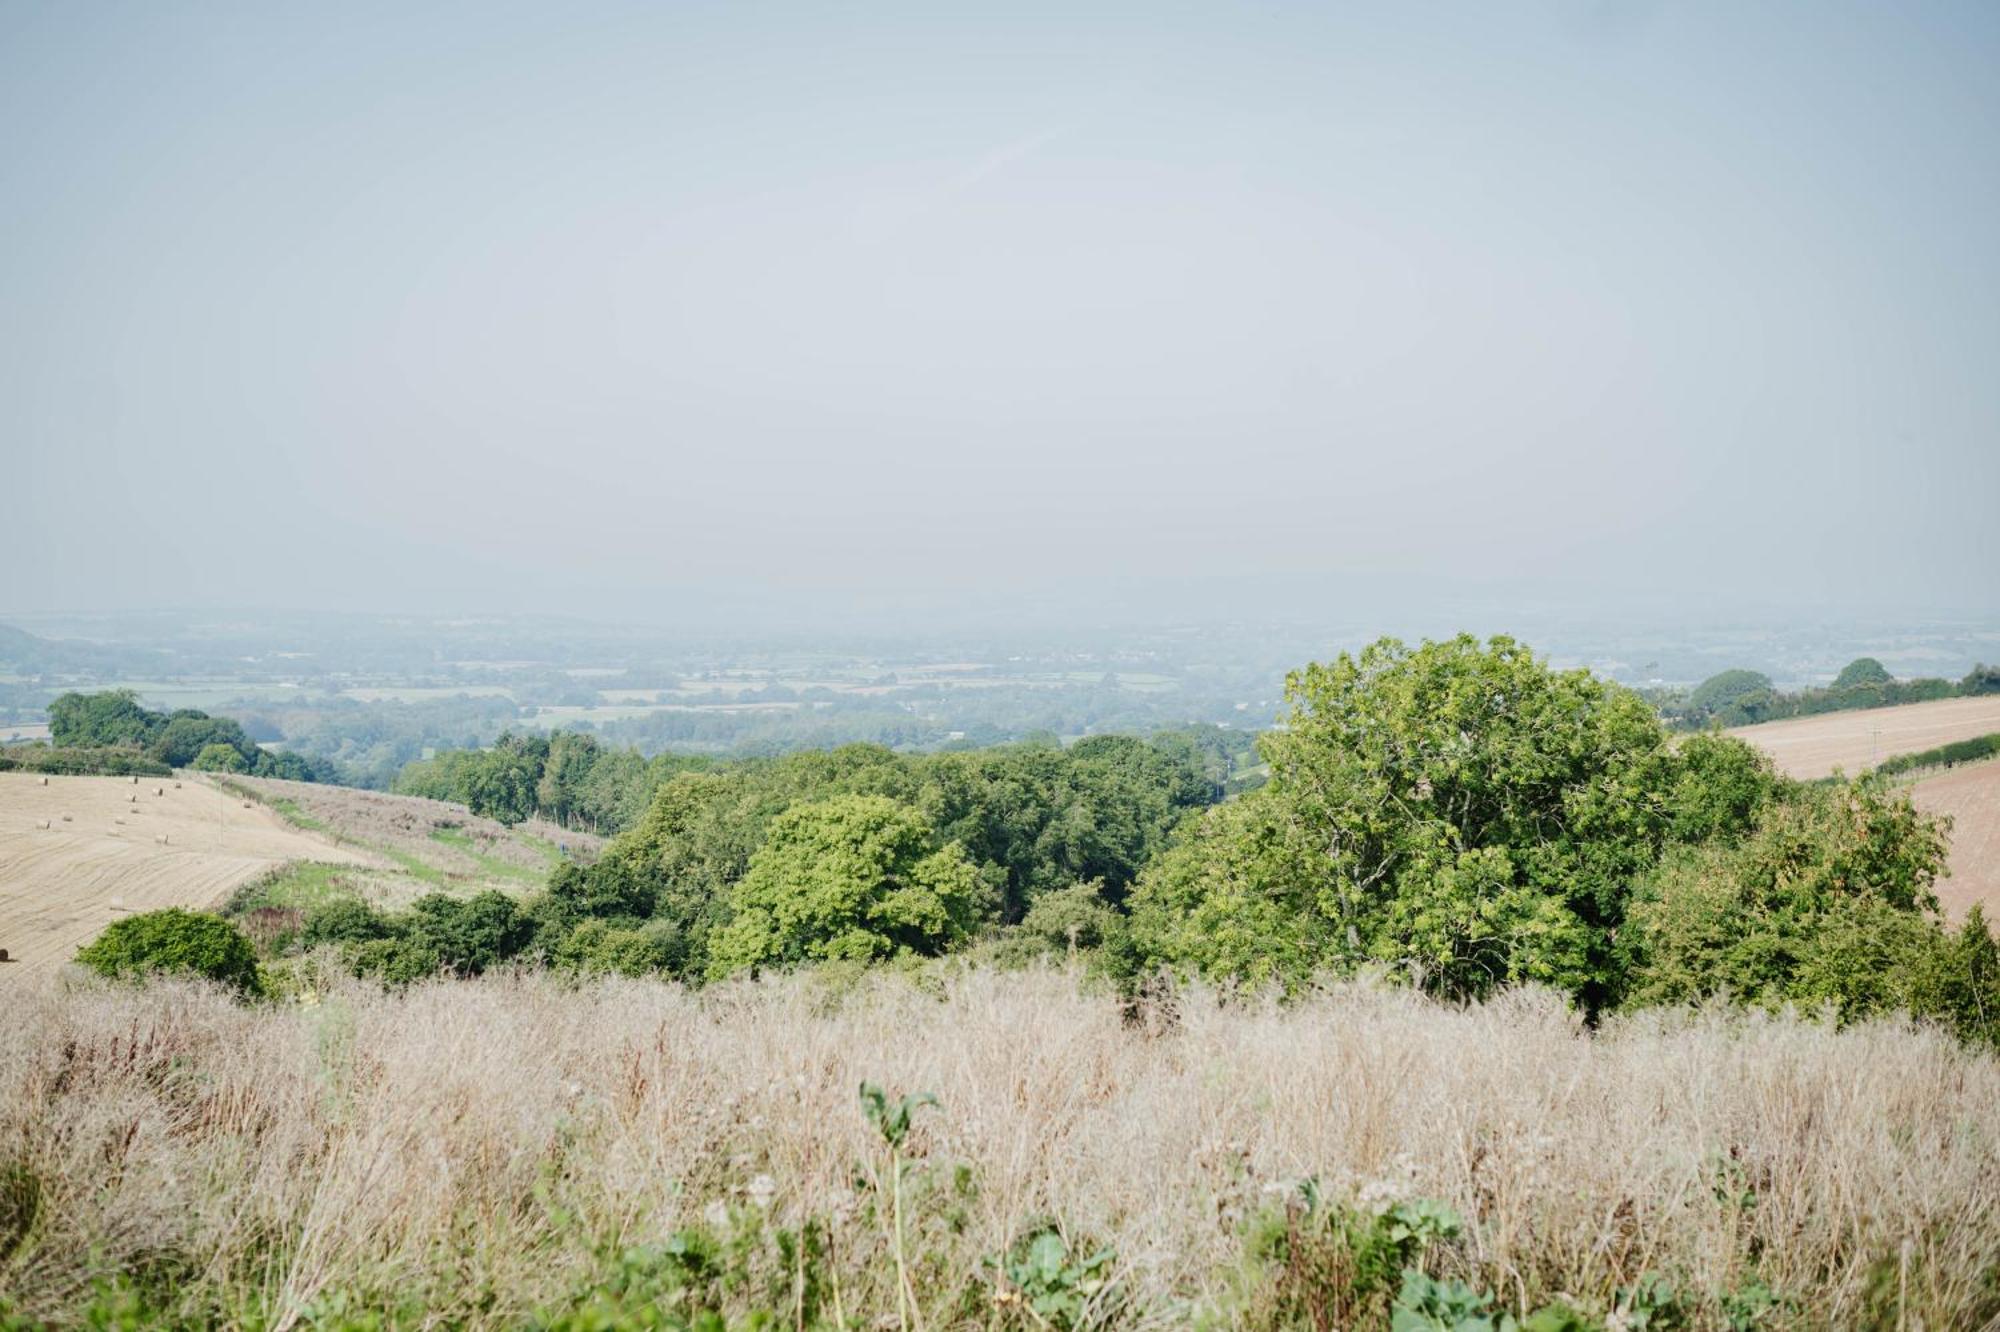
65,818
135,780
4,957
246,804
45,781
177,786
159,790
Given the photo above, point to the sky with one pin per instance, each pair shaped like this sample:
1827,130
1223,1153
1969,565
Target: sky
764,314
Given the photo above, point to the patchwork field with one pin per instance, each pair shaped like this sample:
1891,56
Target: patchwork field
1969,793
1810,747
78,852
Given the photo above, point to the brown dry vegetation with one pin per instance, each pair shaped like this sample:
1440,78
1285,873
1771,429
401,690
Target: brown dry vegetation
471,1150
445,845
62,883
480,851
1812,747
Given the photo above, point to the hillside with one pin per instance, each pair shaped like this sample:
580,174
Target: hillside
437,842
78,852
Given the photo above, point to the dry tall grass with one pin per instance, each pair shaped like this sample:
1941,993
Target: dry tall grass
475,1146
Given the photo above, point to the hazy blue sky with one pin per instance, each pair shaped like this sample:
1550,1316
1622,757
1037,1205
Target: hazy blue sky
756,307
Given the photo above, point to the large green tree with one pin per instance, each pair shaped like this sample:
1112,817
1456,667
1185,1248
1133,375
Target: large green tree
1458,810
853,878
1734,698
113,717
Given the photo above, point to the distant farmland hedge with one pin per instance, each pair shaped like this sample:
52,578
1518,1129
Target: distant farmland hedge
1944,756
1744,698
82,762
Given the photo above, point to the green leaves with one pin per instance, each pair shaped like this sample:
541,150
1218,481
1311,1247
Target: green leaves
892,1118
1458,811
851,878
1055,1283
1427,1304
1416,1224
192,943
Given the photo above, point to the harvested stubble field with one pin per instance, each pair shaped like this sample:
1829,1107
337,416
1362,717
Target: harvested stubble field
1812,747
473,1154
432,838
63,879
1970,794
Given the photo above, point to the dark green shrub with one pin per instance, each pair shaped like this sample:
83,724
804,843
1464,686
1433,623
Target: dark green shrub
471,935
81,762
394,961
1981,679
1943,756
1957,980
175,941
346,920
219,758
598,947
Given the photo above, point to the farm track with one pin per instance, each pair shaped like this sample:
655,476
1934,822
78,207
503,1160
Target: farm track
61,884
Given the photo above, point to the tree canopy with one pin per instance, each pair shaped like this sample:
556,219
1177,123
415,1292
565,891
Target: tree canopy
1862,671
1469,817
850,879
114,719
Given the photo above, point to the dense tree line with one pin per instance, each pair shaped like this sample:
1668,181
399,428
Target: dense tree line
573,779
1744,697
1456,815
854,854
101,730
